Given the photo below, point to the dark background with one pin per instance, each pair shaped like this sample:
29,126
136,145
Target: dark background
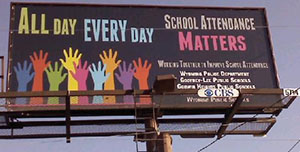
164,46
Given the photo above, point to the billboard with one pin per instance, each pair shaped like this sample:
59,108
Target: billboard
109,47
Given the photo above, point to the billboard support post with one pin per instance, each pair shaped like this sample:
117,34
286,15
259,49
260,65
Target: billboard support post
157,142
164,142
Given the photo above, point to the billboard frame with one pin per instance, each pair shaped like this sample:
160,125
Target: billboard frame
220,133
129,109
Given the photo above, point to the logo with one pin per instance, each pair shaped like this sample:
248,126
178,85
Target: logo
208,92
218,93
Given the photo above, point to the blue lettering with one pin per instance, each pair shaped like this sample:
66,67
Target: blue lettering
86,30
96,29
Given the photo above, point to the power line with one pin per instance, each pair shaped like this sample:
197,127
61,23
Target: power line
209,144
213,142
294,146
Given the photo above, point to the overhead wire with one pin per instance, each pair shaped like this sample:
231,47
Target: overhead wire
294,145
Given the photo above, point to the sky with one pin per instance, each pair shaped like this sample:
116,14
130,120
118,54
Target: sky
284,23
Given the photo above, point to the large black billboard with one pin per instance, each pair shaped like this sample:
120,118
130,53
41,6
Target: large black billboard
106,47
